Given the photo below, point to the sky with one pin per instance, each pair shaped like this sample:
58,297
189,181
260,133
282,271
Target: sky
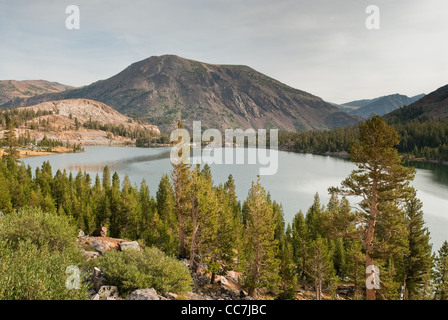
319,46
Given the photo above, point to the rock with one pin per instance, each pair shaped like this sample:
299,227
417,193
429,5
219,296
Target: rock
106,292
99,246
129,245
1,214
345,290
143,294
195,296
100,232
91,254
96,297
171,296
223,281
248,298
81,234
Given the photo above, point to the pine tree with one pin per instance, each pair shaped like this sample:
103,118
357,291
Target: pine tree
382,182
287,266
10,142
180,177
228,231
130,211
115,209
299,243
260,266
5,198
319,265
441,273
166,212
418,262
314,219
204,217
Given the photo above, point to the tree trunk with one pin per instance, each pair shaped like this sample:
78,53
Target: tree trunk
182,247
370,292
368,244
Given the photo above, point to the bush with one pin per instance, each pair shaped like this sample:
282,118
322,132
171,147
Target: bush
149,268
41,228
35,250
31,273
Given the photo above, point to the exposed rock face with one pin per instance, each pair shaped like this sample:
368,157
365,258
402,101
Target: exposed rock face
167,88
66,119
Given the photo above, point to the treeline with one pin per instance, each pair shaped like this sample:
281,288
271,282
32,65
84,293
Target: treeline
191,218
20,116
422,138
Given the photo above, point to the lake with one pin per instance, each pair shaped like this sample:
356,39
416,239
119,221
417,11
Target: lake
298,178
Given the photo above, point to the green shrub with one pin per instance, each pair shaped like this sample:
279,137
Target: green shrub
35,250
31,273
149,268
41,228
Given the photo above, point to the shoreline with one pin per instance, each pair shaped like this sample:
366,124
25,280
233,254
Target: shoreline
345,155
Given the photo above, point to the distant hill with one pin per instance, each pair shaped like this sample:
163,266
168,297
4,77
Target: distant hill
167,88
66,120
12,89
432,106
380,106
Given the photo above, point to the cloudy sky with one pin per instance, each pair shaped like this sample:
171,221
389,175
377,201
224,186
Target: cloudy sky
320,46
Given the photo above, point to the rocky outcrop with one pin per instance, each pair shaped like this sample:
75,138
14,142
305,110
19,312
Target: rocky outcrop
92,247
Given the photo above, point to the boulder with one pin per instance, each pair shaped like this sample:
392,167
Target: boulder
106,292
143,294
133,245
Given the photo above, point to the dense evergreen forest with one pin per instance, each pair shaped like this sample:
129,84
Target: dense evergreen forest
422,138
189,217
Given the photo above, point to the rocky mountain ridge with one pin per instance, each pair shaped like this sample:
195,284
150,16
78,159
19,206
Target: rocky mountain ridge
166,88
13,89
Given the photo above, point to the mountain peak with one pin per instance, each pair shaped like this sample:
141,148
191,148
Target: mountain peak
164,89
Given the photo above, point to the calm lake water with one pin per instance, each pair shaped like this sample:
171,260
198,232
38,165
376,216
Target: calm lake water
298,178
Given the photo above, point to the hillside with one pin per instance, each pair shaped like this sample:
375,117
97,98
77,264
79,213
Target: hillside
166,88
422,127
432,106
81,121
380,106
12,89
